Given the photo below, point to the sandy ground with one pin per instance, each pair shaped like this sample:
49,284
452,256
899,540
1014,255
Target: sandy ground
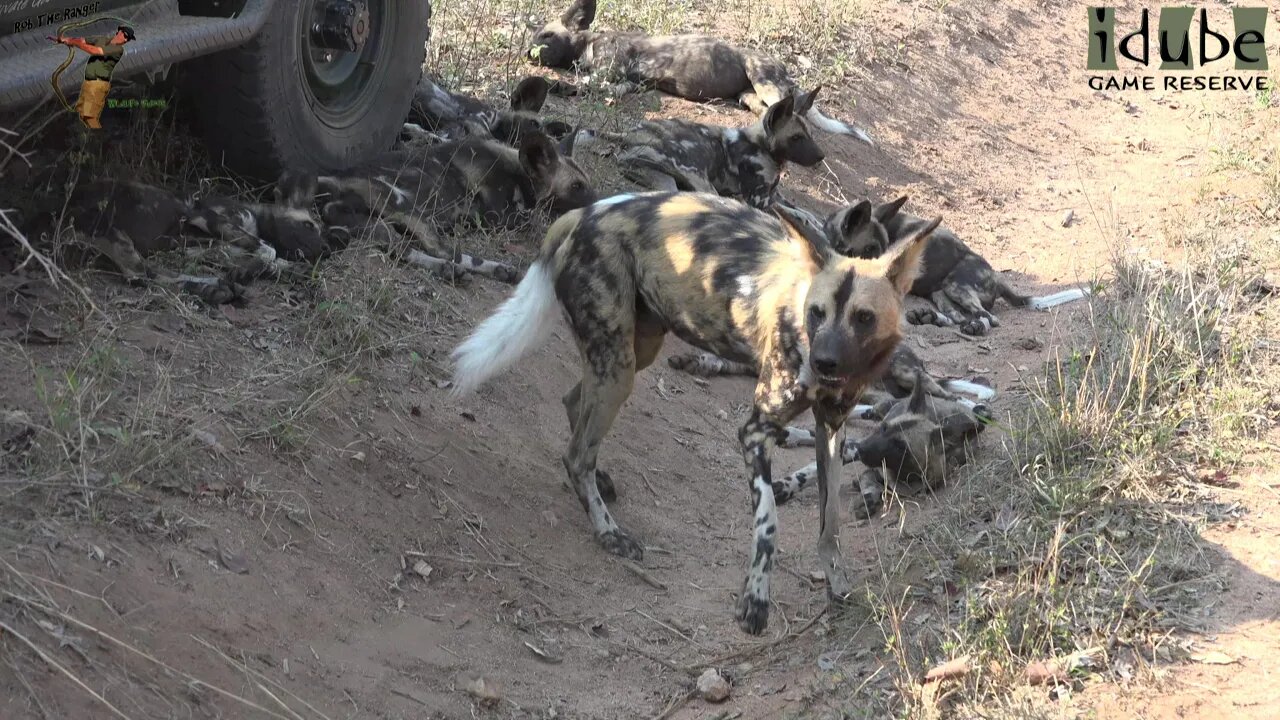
984,116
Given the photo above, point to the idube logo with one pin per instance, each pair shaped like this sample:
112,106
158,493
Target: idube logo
1174,44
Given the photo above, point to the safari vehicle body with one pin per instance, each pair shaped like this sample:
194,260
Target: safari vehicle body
275,83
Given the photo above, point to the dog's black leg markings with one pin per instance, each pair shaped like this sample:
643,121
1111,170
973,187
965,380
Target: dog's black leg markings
756,436
572,406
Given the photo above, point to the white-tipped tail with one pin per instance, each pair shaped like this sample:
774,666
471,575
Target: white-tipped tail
1059,298
832,125
982,392
517,327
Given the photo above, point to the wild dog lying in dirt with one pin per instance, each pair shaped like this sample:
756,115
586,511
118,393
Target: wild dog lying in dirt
127,221
481,181
726,278
959,282
744,163
453,116
917,439
694,67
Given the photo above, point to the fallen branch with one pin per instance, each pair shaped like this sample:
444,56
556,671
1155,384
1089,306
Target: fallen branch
643,574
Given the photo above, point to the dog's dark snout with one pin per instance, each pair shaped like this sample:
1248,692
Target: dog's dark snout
825,364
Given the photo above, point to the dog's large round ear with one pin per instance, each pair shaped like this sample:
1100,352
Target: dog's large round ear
804,102
566,142
580,15
779,113
529,95
858,215
886,211
795,225
919,403
903,260
538,156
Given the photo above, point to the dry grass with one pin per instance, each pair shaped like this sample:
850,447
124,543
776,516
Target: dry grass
1085,534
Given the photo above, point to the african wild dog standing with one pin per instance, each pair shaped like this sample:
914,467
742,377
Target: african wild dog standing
729,279
695,67
454,116
743,163
959,282
441,187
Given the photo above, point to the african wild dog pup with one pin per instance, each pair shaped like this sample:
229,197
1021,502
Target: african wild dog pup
744,163
726,278
959,282
695,67
917,438
454,116
439,188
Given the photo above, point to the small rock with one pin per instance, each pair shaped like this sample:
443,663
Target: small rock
483,691
1029,343
1068,217
712,686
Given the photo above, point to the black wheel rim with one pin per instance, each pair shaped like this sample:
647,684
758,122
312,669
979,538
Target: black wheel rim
338,83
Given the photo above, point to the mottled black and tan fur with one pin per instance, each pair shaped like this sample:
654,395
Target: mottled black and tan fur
726,278
128,221
454,116
960,283
695,67
917,439
476,181
744,163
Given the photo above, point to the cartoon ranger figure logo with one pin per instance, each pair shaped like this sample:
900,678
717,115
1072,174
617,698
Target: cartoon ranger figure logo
104,53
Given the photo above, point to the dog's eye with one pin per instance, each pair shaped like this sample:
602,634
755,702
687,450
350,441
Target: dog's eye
577,186
864,318
817,315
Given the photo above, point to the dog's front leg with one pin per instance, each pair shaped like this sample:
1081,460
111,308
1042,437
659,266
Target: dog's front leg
757,437
830,420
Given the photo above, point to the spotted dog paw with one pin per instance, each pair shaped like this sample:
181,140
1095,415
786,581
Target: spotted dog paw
977,326
506,274
452,273
927,316
621,544
839,589
753,613
867,505
605,486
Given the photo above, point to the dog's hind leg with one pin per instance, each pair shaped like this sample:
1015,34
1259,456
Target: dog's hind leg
977,319
709,364
648,342
602,395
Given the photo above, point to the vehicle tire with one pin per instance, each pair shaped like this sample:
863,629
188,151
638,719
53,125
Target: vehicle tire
277,102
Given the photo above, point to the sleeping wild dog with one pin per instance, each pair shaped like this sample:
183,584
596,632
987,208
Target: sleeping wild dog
744,163
729,279
126,222
474,180
960,283
453,116
694,67
917,439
